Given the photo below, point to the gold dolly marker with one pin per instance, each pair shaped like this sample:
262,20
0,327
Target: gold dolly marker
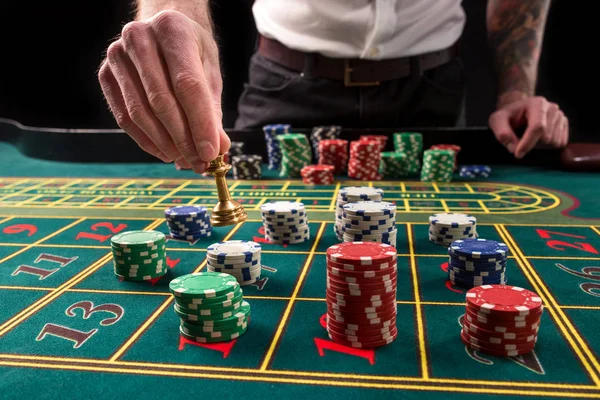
227,211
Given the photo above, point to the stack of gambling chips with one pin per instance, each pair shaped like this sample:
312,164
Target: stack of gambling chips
352,194
445,228
236,149
365,156
319,174
238,258
210,306
247,166
273,150
381,139
139,255
361,294
393,164
188,222
455,148
295,154
411,144
475,171
477,262
501,320
438,166
285,222
369,221
323,133
334,152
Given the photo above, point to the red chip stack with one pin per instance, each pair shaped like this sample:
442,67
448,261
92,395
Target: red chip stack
452,147
365,156
334,152
361,294
320,174
382,139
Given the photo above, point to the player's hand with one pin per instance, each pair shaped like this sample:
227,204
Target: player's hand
163,84
541,119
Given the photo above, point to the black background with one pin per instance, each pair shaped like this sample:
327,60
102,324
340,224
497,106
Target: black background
51,52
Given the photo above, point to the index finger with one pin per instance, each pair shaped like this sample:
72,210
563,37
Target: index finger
537,122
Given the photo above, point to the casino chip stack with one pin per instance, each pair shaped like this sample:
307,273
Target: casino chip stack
285,222
139,255
393,164
247,166
319,174
501,320
369,221
188,222
438,166
210,306
361,294
236,149
365,157
476,262
455,148
323,133
445,228
411,144
352,194
239,258
273,150
334,152
382,139
295,154
475,171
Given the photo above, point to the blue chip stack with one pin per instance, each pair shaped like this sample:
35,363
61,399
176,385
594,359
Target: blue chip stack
323,133
475,171
273,150
188,223
477,262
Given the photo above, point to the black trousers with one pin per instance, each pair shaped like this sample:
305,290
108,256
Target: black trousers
276,94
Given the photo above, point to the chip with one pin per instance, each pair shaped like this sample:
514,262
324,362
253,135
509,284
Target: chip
479,248
503,299
203,284
362,253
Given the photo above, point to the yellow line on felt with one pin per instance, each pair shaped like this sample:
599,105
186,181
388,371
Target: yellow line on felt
469,188
595,229
171,193
334,196
285,186
483,207
290,304
3,220
445,206
25,190
552,305
155,184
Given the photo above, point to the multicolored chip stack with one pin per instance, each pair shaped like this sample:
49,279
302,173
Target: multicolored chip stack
455,148
369,221
210,306
139,255
393,164
236,149
381,139
477,262
501,320
361,294
365,157
475,171
352,194
295,154
437,166
411,144
273,150
334,152
318,174
445,228
247,166
323,133
238,258
188,222
285,222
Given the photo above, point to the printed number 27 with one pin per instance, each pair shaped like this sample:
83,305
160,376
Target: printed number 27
555,244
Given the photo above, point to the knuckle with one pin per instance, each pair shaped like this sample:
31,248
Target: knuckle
161,103
185,147
122,119
186,83
114,51
137,112
103,74
538,127
166,20
133,33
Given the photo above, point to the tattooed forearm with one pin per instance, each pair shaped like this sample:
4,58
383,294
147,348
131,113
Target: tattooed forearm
515,31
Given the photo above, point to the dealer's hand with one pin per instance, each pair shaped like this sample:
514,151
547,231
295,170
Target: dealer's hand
542,120
163,84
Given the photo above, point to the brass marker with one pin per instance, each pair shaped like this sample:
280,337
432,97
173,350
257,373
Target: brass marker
227,211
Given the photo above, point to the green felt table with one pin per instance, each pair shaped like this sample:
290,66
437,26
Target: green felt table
70,329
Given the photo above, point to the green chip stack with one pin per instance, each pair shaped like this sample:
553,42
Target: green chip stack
296,153
411,144
210,306
139,255
393,164
438,166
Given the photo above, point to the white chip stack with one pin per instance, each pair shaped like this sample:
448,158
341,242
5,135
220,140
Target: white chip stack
238,258
353,194
285,222
369,221
445,228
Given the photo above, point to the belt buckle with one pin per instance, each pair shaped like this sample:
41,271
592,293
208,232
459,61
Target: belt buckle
348,79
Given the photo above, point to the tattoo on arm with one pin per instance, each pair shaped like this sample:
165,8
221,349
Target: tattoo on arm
515,31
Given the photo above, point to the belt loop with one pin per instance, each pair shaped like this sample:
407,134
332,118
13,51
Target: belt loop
415,67
309,65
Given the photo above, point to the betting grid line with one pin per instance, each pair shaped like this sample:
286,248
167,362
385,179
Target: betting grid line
570,333
290,304
595,229
25,190
171,193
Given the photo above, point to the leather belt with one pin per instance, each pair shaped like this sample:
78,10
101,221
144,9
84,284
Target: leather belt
353,72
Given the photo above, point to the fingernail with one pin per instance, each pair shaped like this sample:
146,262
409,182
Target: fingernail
206,151
511,147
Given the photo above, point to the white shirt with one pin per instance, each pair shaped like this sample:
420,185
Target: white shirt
372,29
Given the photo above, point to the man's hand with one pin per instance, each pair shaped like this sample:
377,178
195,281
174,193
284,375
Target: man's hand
162,82
542,120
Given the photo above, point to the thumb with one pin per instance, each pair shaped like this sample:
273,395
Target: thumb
499,123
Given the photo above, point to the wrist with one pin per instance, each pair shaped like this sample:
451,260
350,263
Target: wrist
510,97
196,10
